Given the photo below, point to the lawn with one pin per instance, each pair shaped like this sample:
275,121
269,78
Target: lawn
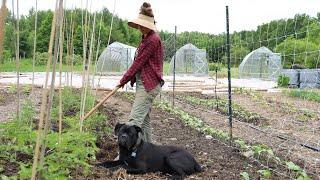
26,66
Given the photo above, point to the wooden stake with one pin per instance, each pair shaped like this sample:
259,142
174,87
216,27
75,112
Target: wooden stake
3,16
34,43
43,100
60,79
18,63
99,104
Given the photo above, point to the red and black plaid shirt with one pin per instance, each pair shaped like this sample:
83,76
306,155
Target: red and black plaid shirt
149,61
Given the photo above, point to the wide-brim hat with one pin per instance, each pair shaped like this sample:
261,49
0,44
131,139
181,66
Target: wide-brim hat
143,20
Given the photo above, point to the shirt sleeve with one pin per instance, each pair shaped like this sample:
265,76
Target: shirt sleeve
142,57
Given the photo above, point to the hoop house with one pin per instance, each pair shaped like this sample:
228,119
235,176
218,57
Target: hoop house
261,63
190,60
116,58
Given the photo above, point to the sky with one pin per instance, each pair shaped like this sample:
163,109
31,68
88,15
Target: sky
194,15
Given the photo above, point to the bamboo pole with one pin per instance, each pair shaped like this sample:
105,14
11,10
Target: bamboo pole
47,124
72,53
109,37
87,81
60,79
3,16
34,43
97,54
18,63
44,100
84,62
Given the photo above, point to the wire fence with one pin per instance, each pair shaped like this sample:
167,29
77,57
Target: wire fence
278,126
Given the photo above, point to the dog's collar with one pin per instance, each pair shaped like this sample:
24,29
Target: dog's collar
135,148
134,153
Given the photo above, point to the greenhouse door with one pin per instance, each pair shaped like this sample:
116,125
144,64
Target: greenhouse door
189,57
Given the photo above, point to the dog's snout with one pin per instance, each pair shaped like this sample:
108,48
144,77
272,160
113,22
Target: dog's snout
124,136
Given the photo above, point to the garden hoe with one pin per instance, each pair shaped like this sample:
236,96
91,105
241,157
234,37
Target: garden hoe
100,103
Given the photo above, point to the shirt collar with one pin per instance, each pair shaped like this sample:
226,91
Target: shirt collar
149,34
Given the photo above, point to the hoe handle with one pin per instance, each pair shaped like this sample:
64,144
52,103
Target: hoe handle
100,103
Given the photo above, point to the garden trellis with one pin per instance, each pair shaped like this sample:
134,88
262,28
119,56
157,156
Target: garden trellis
278,128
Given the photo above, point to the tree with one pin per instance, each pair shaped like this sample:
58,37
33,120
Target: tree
298,51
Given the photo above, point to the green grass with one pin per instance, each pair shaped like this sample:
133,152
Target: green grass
223,73
166,68
26,66
312,95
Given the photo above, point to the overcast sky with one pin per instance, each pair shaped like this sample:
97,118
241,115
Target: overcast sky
195,15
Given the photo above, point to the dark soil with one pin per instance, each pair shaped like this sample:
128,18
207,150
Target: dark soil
278,124
219,160
12,168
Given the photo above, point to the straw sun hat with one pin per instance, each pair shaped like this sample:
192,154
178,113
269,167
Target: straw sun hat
145,18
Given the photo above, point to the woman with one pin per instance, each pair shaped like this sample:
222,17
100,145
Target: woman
145,71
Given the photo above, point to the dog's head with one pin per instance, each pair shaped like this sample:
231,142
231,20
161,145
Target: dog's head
128,135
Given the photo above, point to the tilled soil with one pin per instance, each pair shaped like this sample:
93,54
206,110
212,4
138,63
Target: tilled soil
8,102
218,159
265,134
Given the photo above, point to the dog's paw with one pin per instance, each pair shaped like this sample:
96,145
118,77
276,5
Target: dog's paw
175,178
109,164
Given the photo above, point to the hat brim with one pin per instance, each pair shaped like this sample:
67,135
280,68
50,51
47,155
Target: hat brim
144,21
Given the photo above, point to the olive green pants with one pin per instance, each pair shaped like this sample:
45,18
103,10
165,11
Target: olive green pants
140,112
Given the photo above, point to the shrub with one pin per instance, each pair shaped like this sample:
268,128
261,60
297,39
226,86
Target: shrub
214,67
41,58
77,59
283,81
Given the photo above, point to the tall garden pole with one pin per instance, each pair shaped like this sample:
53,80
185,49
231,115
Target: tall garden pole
40,135
47,124
3,15
174,64
34,43
18,63
229,74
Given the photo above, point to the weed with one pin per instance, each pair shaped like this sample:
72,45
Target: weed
265,174
283,81
301,174
304,94
245,176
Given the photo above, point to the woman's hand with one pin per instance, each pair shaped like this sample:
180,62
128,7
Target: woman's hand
120,85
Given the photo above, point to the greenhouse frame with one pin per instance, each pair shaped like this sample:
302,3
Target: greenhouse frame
190,60
261,63
116,58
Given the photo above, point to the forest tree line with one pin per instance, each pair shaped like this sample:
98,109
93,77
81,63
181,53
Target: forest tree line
297,38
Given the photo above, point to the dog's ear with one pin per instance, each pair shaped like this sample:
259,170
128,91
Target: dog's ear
117,128
138,129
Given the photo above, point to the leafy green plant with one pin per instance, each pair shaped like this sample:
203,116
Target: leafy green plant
66,153
12,89
265,174
238,111
245,176
283,81
304,94
302,175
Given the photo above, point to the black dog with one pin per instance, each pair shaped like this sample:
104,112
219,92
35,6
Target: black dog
139,157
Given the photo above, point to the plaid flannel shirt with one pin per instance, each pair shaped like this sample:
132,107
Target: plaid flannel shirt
149,61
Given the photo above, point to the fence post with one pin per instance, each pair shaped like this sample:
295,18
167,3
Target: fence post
229,75
174,64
